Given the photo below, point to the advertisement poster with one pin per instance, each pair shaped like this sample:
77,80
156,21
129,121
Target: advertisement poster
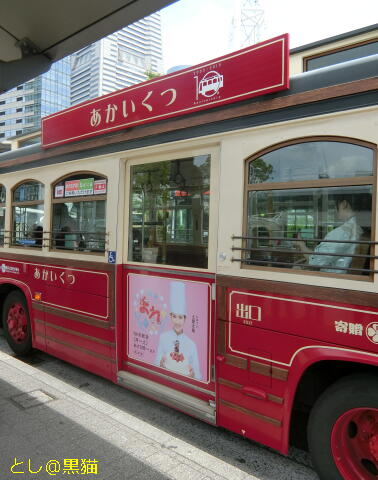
83,186
168,324
99,187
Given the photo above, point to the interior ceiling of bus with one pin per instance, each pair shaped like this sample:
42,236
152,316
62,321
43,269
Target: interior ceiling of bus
36,33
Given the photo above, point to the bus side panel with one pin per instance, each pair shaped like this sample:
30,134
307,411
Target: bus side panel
71,309
84,345
68,350
79,321
250,393
37,319
261,336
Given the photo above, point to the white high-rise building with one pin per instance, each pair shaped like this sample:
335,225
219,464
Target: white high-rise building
117,61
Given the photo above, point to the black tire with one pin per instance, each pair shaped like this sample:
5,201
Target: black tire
21,343
358,391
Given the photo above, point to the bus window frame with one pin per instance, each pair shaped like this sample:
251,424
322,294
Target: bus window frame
168,154
74,199
317,183
26,203
3,205
325,53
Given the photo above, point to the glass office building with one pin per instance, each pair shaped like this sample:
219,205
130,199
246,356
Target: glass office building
22,108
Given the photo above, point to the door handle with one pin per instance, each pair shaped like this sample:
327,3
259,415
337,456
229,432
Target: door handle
254,392
220,358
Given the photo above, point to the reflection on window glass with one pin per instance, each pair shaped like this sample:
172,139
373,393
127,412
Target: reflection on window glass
345,55
27,225
29,192
2,194
313,228
310,161
169,217
79,226
2,225
79,223
27,214
2,213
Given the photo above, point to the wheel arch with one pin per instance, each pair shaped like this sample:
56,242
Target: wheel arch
310,377
6,287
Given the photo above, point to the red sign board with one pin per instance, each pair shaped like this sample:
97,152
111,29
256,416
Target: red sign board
99,187
253,71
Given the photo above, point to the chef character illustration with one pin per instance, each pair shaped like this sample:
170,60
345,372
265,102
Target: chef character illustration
176,351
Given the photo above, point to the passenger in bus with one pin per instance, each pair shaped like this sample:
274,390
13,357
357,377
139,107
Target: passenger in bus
66,237
176,351
37,234
350,209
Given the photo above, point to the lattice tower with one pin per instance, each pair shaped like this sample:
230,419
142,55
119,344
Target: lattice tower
247,23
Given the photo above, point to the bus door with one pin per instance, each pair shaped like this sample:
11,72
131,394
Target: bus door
245,373
168,319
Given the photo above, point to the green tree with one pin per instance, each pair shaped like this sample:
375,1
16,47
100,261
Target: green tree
259,171
150,74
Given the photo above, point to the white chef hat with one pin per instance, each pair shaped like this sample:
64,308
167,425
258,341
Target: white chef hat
177,298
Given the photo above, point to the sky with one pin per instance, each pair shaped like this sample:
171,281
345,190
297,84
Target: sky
194,31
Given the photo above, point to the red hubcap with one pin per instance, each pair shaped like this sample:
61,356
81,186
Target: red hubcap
17,322
354,443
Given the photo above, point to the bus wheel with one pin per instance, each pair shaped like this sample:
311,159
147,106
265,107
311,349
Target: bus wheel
16,323
343,430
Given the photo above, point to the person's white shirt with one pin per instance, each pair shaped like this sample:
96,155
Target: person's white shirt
349,231
186,346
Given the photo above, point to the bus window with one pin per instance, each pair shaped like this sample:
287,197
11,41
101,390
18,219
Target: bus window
78,213
169,212
27,214
2,213
309,207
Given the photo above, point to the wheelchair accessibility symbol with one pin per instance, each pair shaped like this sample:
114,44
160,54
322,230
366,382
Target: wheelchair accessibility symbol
112,256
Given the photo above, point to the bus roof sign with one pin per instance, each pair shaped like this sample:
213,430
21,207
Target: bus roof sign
256,70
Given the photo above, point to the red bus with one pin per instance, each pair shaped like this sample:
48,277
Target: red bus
222,262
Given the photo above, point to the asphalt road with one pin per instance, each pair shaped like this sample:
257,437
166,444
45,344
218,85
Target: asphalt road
251,459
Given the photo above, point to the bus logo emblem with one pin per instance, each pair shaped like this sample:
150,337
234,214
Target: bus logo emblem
210,84
372,332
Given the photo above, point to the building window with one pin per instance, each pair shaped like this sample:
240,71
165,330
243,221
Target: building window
79,213
2,113
27,214
2,214
19,120
169,212
18,132
18,110
19,99
20,87
309,207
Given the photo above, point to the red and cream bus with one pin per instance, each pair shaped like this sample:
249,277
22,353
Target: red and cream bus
219,260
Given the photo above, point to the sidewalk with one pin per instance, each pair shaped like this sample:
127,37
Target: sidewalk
53,428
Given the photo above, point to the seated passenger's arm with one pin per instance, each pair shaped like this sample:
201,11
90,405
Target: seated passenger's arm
330,248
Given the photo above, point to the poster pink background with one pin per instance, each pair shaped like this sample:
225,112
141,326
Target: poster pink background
148,318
